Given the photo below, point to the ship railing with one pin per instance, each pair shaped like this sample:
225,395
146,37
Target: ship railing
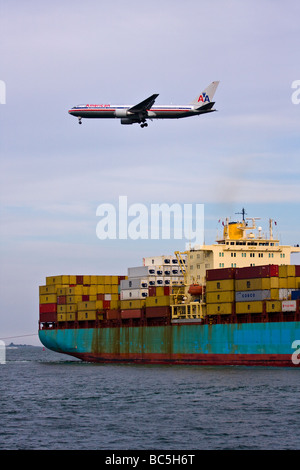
187,311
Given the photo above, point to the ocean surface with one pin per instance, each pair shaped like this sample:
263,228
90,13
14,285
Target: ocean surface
50,401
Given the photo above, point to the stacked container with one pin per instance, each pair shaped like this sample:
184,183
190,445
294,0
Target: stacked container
220,285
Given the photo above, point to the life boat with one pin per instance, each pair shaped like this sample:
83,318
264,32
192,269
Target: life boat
195,289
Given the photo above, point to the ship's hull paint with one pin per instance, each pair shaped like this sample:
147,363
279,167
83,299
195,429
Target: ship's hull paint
266,344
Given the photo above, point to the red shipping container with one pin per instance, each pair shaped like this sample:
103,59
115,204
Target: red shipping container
167,290
132,313
48,317
48,308
152,291
106,304
219,274
79,279
113,314
61,300
297,270
253,272
100,296
121,278
158,312
85,298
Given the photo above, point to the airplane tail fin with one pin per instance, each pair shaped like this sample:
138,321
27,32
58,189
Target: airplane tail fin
206,96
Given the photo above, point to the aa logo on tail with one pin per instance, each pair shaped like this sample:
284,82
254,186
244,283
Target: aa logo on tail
204,97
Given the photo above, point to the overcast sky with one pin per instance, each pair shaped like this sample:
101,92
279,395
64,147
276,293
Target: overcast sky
55,173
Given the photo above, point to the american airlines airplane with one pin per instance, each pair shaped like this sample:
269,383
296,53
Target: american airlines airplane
144,110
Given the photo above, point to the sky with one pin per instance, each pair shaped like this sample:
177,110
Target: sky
54,173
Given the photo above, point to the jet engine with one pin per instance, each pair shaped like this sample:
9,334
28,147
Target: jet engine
126,121
121,113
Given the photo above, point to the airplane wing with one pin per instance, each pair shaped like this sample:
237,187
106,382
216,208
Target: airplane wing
143,105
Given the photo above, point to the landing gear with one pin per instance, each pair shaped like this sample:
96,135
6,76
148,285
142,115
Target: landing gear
79,120
144,124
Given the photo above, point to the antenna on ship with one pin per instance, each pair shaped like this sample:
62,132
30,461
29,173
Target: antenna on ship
243,213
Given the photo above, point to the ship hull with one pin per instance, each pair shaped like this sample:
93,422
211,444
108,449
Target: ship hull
247,344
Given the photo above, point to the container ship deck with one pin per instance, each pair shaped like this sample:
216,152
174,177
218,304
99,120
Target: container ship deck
187,308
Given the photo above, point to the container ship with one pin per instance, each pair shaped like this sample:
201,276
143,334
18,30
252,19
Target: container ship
235,302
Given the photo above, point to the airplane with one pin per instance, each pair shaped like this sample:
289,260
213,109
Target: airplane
144,110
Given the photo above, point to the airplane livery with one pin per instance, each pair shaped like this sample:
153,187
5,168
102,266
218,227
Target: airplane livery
139,113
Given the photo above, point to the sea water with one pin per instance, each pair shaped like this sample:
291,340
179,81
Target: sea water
51,401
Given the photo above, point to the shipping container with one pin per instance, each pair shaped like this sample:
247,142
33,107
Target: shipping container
134,294
72,280
61,317
114,289
291,282
286,270
61,290
220,285
220,274
167,281
257,283
159,281
157,312
75,290
249,307
219,308
71,316
250,272
141,271
160,291
79,279
295,294
86,315
57,280
61,309
48,299
273,306
61,300
48,308
157,260
219,297
134,283
48,317
86,305
73,299
152,291
113,314
160,301
45,290
106,304
167,290
151,281
99,304
72,308
131,313
114,304
252,295
289,305
297,270
129,304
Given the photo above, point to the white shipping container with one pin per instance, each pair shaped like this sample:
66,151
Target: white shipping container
134,283
285,294
151,280
159,281
167,270
141,271
107,296
289,305
132,294
167,281
157,260
252,295
159,271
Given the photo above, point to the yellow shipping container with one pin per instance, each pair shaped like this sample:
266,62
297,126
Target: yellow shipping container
93,280
114,289
249,307
159,291
100,288
71,308
93,297
158,301
128,304
44,290
72,279
262,283
297,282
100,281
114,296
114,280
48,299
86,305
61,309
219,297
99,304
93,290
107,289
86,280
273,306
61,290
282,282
291,282
59,280
86,315
107,280
115,304
287,270
75,290
71,316
61,317
219,309
85,290
73,299
215,286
